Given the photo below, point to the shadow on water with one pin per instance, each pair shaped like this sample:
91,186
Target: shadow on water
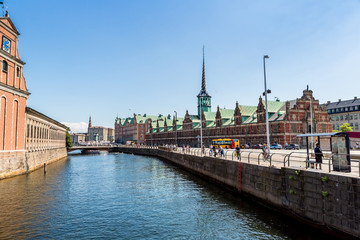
263,218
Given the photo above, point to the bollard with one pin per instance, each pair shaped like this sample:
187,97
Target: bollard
44,168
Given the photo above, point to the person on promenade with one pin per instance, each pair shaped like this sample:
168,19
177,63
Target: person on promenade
214,150
221,151
183,148
318,156
203,149
237,152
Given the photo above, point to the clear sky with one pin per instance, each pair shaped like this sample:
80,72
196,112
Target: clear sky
117,57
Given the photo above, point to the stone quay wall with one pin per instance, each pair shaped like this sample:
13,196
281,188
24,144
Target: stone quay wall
328,201
13,163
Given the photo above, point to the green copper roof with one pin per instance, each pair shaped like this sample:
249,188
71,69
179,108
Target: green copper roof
274,106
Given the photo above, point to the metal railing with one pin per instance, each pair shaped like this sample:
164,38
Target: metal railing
294,159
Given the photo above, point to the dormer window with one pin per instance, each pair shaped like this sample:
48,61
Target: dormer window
5,66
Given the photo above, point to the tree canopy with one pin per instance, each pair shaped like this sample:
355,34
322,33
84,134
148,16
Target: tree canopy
346,128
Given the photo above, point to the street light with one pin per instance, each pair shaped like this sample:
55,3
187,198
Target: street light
266,107
175,128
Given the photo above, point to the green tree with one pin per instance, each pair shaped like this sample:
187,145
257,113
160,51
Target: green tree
68,139
346,128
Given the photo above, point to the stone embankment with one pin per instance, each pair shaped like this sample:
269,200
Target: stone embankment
328,201
21,162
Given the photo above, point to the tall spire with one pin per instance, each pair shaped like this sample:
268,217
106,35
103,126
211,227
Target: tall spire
203,91
90,125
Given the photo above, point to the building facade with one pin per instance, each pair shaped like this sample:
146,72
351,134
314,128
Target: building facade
99,134
28,139
78,138
246,123
135,128
13,91
347,111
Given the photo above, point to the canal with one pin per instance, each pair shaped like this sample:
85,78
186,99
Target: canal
120,196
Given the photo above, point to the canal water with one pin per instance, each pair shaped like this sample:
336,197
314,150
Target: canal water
121,196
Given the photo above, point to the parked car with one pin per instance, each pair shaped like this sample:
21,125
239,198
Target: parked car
275,146
245,146
292,147
257,146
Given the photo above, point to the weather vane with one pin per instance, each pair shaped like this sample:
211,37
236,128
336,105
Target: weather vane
5,13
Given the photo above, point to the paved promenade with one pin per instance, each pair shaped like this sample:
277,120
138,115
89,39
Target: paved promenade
284,158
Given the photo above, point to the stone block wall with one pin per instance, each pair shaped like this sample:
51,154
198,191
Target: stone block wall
14,163
37,159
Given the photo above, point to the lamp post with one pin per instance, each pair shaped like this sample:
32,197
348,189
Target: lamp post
175,128
311,124
266,107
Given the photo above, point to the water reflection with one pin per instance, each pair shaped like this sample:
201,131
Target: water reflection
119,196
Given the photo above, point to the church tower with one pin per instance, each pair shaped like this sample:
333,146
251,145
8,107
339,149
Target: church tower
90,125
204,99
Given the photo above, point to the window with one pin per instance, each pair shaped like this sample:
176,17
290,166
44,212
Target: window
341,117
333,118
355,116
346,117
17,72
337,118
351,124
351,108
346,109
356,126
351,117
342,109
5,66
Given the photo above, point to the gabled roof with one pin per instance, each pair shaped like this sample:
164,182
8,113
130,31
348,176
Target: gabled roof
274,106
7,21
226,113
346,103
247,110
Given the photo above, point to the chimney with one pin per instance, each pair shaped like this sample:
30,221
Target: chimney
355,98
339,100
328,102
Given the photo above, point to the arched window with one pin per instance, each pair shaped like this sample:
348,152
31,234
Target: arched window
5,66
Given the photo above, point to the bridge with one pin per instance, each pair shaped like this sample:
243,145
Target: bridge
100,148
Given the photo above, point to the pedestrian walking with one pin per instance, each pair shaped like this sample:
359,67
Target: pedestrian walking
318,156
214,150
237,152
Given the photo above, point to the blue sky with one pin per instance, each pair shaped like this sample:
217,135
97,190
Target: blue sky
114,57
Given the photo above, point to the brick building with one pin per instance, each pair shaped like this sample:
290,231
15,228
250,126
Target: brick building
246,123
13,91
28,139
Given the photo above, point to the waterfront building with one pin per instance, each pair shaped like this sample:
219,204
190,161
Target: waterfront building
347,111
13,91
28,138
99,134
246,123
78,138
135,128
